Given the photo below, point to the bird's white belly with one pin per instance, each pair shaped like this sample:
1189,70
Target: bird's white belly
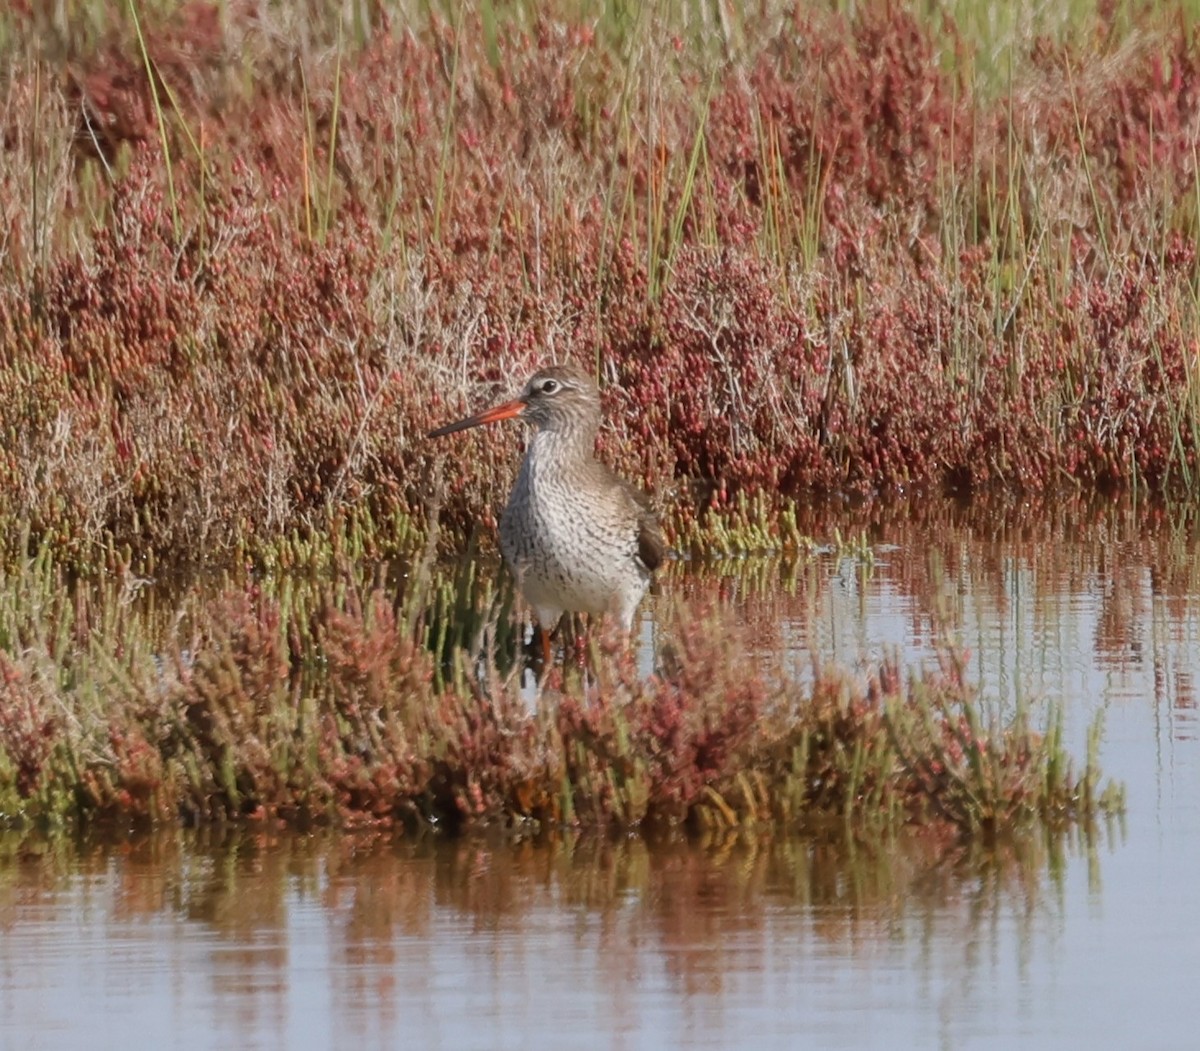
565,557
548,583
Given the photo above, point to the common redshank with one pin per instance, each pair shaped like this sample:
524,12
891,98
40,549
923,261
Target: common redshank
577,538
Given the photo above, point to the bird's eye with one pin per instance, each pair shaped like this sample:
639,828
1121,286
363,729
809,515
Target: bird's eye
549,386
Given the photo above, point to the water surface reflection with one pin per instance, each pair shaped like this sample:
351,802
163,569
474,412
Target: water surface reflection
270,939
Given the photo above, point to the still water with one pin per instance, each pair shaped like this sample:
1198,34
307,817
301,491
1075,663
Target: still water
255,938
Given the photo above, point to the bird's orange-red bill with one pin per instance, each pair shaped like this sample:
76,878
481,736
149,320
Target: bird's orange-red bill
498,412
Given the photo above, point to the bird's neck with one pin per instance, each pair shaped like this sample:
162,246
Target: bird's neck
552,452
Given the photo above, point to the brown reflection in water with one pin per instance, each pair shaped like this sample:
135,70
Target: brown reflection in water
704,913
233,888
1184,692
1113,587
376,912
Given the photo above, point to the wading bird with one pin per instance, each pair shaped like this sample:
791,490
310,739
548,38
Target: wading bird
577,538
